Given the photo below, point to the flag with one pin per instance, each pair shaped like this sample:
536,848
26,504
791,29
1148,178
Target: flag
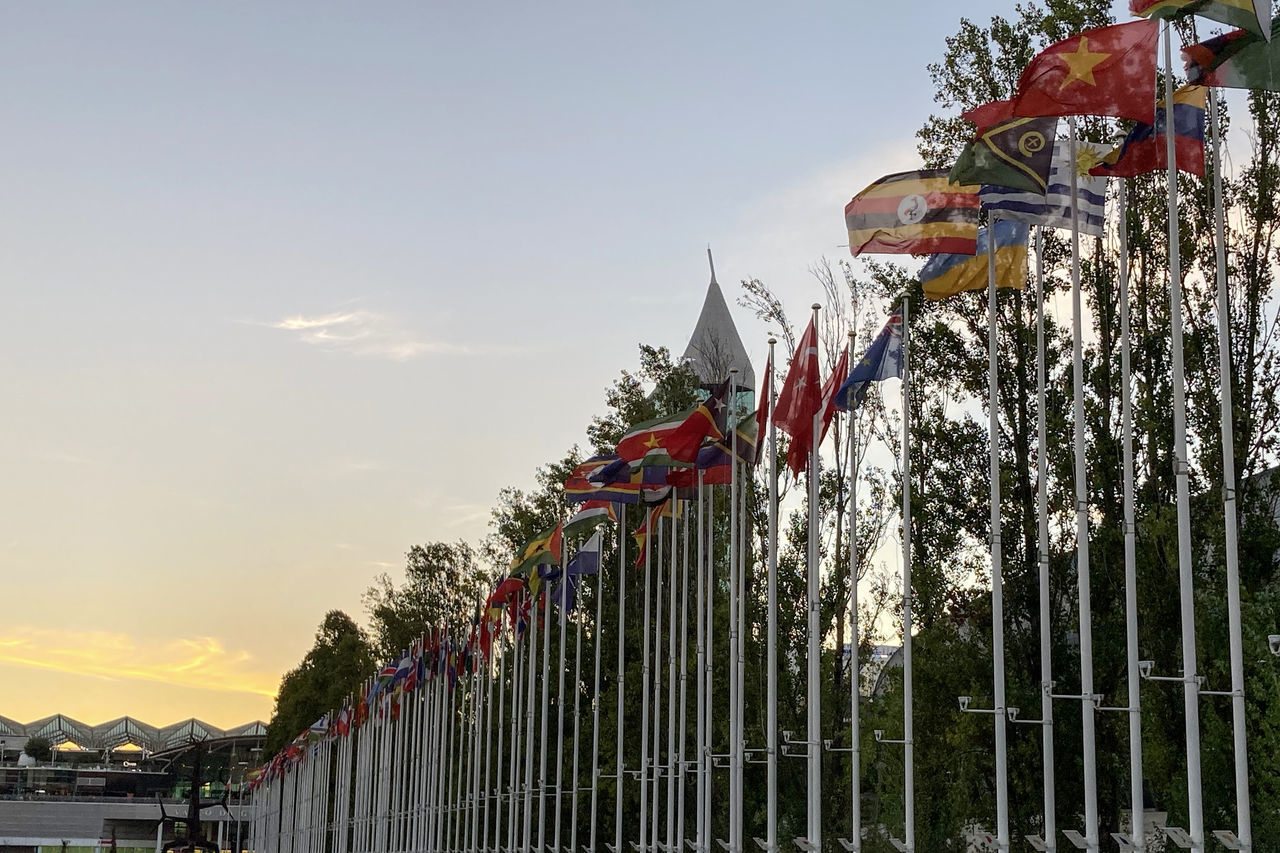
801,394
1015,153
913,213
798,452
1144,149
883,359
762,410
587,560
646,442
543,548
588,516
1237,60
706,421
1108,71
986,116
1054,208
642,533
947,275
1242,14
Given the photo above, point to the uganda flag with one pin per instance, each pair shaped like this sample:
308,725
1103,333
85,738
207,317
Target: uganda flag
1252,15
913,213
1016,153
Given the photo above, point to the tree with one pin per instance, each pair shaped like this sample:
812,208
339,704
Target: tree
332,670
39,748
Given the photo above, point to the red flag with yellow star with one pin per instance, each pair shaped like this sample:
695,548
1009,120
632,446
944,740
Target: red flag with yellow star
1108,71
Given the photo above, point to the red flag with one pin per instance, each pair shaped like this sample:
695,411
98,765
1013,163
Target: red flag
762,410
1108,71
987,116
797,460
801,396
706,421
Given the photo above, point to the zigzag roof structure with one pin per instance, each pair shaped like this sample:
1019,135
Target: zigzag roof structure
123,731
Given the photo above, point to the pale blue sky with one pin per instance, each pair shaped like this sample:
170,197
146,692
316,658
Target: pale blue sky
290,287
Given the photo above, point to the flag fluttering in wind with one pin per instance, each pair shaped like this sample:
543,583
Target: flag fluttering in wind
798,452
986,116
1108,71
646,442
589,516
1144,149
913,213
801,395
883,360
1015,153
947,275
543,548
1237,60
762,408
1053,209
707,421
1252,15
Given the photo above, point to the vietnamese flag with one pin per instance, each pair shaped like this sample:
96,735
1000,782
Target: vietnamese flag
1108,71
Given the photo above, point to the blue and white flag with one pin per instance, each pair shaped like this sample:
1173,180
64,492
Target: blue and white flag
1054,207
883,360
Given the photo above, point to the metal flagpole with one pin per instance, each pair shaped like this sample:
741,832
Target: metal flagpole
678,766
700,732
1244,829
735,603
542,740
771,652
577,729
535,628
644,684
657,688
564,604
1087,706
1042,520
708,757
1182,466
517,711
855,671
622,677
498,756
671,688
908,722
1137,838
598,629
739,590
814,709
997,578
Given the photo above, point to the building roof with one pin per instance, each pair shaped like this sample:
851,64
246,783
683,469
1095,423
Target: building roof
113,734
715,346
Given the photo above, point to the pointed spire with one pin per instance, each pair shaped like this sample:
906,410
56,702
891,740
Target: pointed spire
715,347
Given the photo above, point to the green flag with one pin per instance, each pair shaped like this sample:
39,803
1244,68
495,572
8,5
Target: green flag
1236,60
1016,153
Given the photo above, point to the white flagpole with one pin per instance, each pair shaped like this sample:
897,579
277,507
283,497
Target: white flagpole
1087,707
814,709
557,800
598,629
735,603
739,590
1042,518
771,650
498,756
622,679
1182,466
535,628
908,719
709,753
671,688
644,684
997,559
700,733
1130,556
855,671
577,716
517,712
1244,828
546,712
678,768
657,690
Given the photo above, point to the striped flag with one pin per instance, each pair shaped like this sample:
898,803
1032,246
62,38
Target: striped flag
913,213
1054,207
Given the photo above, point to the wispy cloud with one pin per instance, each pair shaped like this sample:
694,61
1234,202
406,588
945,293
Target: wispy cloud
362,332
186,662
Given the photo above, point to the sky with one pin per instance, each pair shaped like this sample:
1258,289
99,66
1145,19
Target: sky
290,287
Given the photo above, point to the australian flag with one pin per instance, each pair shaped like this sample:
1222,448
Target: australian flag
883,360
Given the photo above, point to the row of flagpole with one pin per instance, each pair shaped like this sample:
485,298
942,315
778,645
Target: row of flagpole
414,778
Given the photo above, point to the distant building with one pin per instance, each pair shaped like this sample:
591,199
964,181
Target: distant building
99,792
715,347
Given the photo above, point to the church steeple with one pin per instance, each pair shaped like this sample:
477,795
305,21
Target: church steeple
715,346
